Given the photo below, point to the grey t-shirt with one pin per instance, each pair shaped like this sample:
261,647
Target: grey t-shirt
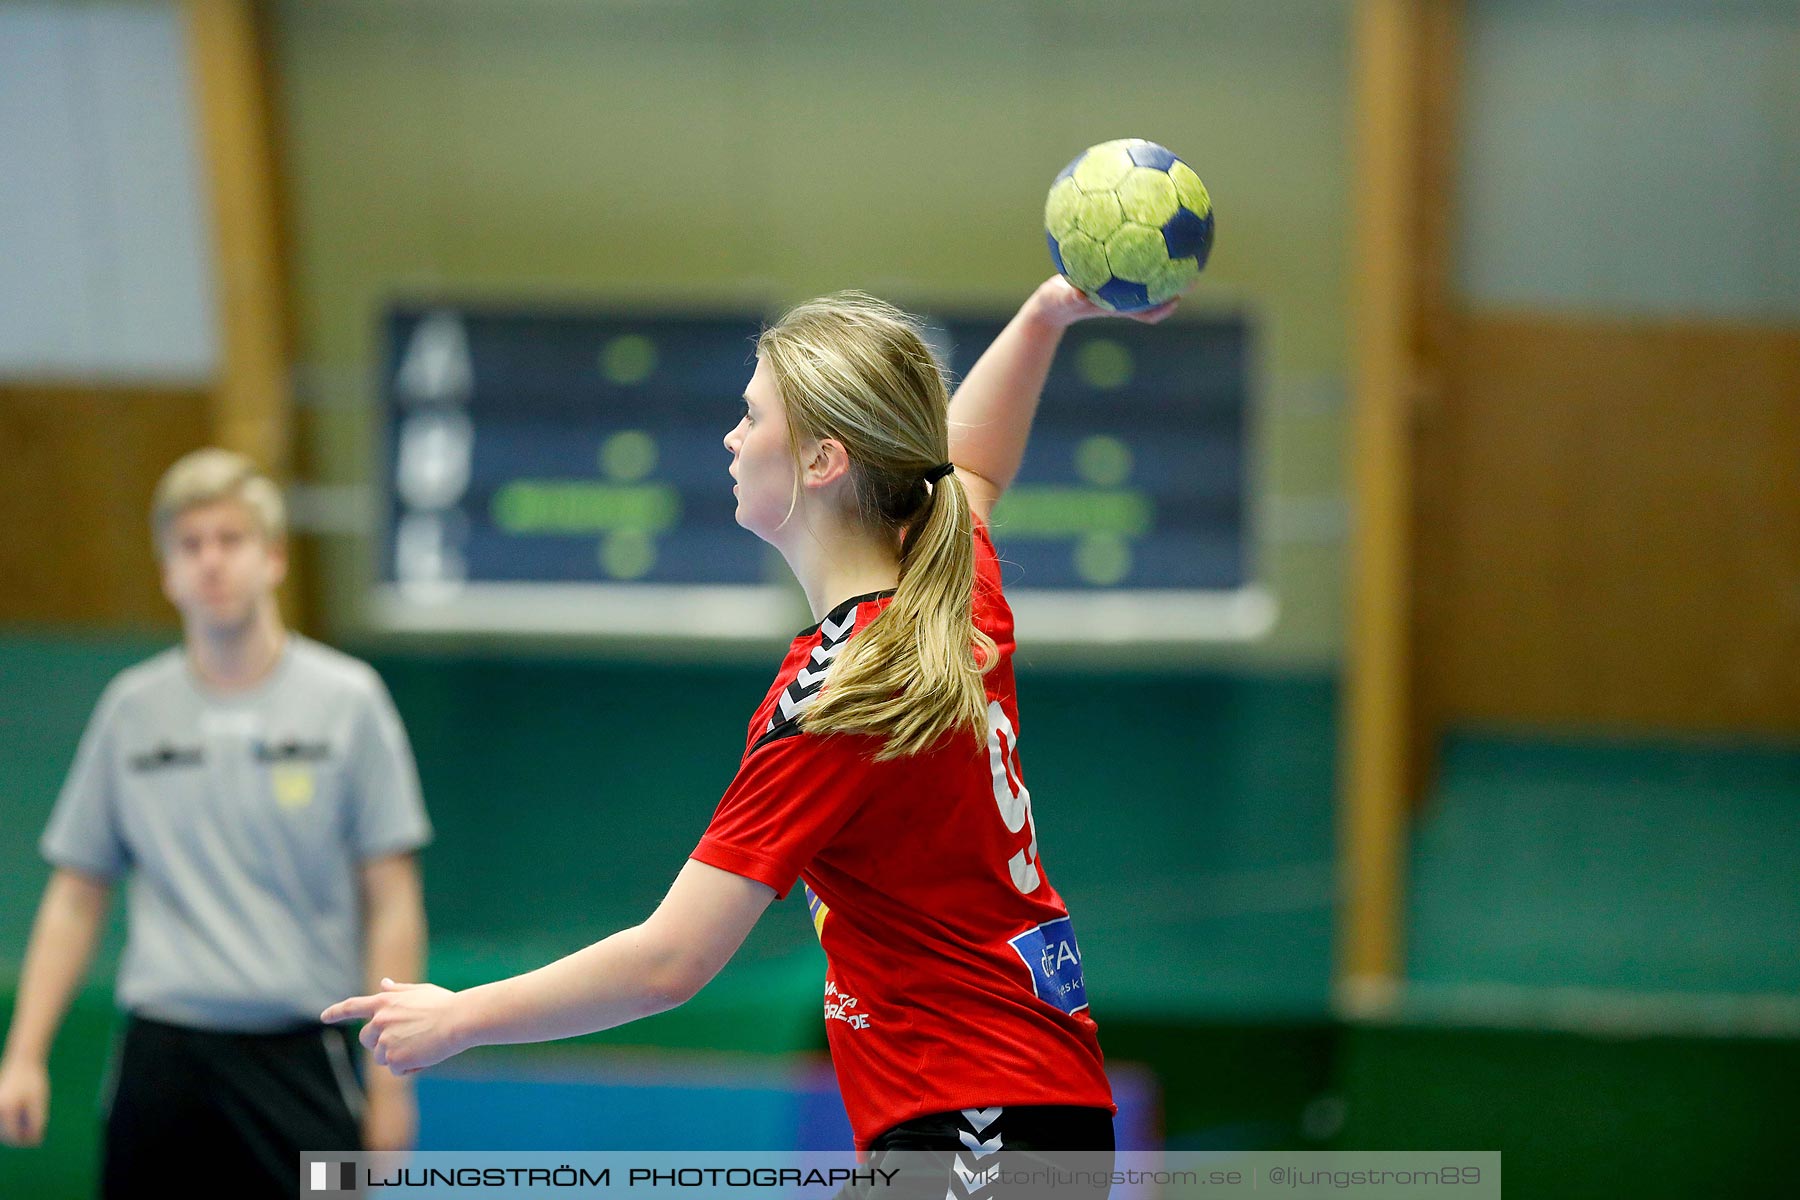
243,819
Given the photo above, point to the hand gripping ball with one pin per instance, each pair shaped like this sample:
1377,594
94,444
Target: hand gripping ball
1129,224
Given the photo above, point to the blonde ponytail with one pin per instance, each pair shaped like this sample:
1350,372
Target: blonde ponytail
857,369
915,672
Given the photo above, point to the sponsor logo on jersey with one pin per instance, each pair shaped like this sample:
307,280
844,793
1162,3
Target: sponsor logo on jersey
165,756
292,750
845,1008
292,784
1050,953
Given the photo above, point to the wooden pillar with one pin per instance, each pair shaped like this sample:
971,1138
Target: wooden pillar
1404,79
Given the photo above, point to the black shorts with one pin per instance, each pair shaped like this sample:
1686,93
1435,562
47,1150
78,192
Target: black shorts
232,1109
944,1153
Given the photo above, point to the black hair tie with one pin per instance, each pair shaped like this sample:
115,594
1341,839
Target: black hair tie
938,472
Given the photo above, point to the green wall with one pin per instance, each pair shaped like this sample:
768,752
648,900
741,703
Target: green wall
1579,1116
568,792
1648,867
1187,819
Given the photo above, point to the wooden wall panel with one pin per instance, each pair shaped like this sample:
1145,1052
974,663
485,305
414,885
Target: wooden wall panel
77,468
1614,541
78,463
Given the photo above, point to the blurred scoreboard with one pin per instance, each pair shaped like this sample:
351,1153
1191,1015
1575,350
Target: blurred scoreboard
561,472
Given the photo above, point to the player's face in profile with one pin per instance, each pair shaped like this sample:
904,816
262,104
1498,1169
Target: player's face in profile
217,566
762,462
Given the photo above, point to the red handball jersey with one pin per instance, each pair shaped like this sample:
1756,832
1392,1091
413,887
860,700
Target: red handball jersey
954,979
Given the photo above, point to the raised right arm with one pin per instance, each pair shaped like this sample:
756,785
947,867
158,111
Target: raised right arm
991,413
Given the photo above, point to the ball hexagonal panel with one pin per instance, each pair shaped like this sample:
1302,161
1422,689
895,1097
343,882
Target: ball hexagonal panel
1172,278
1102,167
1149,154
1084,261
1190,189
1060,207
1135,252
1125,295
1187,235
1098,214
1147,196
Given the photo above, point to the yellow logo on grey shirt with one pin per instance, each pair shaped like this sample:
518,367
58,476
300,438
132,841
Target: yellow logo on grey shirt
293,784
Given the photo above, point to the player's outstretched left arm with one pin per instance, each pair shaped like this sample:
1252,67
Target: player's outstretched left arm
991,413
636,972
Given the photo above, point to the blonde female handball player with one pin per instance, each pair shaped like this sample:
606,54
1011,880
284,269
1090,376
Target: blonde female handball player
881,769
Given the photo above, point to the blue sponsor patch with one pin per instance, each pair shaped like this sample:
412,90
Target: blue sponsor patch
1054,960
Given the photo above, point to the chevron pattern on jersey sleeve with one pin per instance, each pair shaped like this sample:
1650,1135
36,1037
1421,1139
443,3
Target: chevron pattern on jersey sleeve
805,685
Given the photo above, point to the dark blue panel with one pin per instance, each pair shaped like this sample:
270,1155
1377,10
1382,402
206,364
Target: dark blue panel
1177,560
691,456
550,360
1055,252
1070,169
1179,468
1151,155
1188,235
1125,295
541,409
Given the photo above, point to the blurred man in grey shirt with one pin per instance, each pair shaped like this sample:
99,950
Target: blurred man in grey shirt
258,791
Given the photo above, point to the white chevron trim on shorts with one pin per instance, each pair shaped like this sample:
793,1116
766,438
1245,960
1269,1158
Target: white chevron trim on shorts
967,1182
980,1118
980,1148
974,1179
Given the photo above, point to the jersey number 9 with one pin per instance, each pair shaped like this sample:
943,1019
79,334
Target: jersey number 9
1013,797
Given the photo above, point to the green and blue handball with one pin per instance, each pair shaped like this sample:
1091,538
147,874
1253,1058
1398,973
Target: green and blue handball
1129,224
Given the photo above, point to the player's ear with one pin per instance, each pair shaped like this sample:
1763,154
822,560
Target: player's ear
826,462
